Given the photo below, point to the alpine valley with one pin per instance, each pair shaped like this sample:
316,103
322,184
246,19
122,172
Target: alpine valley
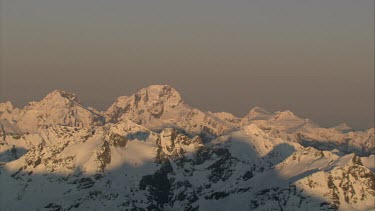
152,151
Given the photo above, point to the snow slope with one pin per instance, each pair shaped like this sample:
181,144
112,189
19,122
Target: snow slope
152,151
124,165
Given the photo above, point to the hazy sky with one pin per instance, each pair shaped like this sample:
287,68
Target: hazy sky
314,57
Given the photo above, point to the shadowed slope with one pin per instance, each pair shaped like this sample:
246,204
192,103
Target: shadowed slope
112,168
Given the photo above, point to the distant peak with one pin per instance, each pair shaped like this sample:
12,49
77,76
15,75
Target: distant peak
157,92
154,97
159,87
257,110
286,113
343,127
6,106
156,89
61,94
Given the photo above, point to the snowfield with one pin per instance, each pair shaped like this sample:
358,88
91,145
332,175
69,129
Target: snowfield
152,151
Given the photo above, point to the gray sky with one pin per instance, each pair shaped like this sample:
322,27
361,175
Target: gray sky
314,57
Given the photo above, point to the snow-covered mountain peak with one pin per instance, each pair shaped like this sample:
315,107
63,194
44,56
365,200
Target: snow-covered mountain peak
7,106
150,102
60,93
161,106
287,114
8,111
161,93
258,113
257,110
56,98
59,97
154,152
57,108
343,127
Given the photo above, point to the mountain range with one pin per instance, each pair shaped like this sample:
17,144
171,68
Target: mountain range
153,151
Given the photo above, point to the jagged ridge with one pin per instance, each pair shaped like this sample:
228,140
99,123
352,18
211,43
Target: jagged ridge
153,151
